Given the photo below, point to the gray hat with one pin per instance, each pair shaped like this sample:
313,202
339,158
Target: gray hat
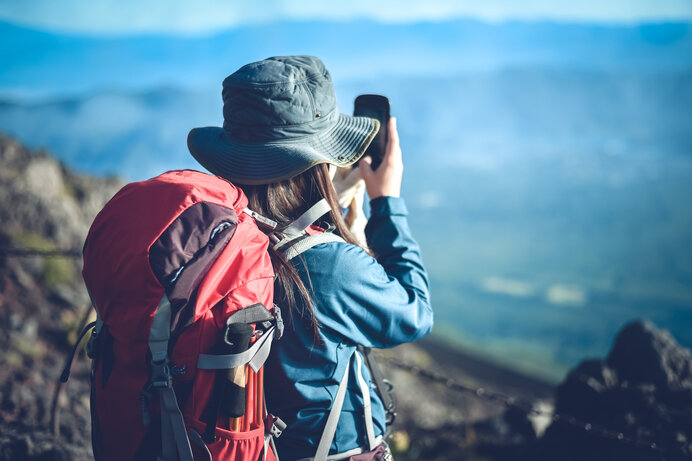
280,119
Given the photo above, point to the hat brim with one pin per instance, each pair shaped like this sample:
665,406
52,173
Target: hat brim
342,144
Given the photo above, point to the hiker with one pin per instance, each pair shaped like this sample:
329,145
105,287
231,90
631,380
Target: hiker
282,141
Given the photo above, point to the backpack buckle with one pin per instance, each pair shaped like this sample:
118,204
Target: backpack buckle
160,377
279,322
274,426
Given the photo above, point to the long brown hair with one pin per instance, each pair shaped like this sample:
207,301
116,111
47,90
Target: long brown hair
284,202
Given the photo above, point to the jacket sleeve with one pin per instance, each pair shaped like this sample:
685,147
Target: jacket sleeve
379,302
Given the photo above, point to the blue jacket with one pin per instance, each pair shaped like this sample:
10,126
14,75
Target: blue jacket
358,301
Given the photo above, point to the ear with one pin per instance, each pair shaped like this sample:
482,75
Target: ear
332,171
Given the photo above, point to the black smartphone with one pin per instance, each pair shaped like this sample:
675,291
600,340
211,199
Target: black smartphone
374,106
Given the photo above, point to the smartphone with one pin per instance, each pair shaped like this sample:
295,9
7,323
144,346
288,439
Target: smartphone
374,106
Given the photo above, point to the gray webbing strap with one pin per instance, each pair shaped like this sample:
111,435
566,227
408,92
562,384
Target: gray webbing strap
297,228
273,444
346,455
267,442
255,313
160,331
174,441
333,418
308,242
255,356
314,213
365,390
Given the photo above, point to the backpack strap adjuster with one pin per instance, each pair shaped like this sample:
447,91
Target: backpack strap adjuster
273,428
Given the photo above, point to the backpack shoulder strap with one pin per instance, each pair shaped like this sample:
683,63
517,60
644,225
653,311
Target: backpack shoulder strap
314,213
322,453
174,440
296,230
296,239
304,244
333,418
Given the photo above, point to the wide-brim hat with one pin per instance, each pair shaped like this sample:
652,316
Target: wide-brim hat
280,119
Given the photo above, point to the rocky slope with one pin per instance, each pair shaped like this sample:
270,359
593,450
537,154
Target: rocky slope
44,206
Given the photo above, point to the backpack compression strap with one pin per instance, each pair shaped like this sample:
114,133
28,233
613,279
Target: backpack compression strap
257,354
272,326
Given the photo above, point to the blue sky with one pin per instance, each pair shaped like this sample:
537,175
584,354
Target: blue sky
125,17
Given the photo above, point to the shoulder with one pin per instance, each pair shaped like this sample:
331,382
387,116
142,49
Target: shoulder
339,260
338,251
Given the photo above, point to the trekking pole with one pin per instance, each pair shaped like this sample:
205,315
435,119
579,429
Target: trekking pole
233,402
248,417
259,397
228,395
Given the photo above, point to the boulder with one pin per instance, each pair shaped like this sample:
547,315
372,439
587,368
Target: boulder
634,405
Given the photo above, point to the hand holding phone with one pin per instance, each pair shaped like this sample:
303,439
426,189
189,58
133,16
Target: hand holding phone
385,181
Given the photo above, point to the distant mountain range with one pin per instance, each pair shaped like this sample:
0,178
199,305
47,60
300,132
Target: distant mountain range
39,63
477,122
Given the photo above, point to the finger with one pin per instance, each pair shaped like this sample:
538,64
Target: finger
365,167
352,176
392,151
392,131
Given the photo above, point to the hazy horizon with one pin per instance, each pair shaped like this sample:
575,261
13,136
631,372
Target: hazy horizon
548,163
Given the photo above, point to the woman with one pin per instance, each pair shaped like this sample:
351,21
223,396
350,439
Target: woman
281,139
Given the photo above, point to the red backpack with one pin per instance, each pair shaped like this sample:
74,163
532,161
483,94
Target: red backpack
182,282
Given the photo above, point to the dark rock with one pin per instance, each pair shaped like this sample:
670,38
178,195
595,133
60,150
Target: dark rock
644,354
637,403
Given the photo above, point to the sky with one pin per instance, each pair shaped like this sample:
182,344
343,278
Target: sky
123,17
